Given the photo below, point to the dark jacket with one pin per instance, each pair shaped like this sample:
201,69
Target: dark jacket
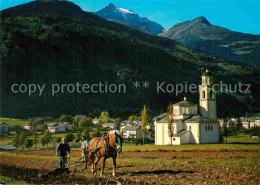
62,149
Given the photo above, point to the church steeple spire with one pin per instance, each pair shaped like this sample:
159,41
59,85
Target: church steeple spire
207,96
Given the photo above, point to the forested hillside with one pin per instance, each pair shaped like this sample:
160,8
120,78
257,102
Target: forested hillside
56,42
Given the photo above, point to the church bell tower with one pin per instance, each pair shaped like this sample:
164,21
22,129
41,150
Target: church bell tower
208,106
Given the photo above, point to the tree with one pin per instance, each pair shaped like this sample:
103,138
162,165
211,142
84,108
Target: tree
69,137
28,143
47,136
15,140
96,133
239,123
118,122
225,122
94,114
77,137
104,117
86,134
255,131
58,139
85,123
134,117
22,139
144,122
34,136
169,118
75,125
43,142
53,140
65,118
16,128
44,126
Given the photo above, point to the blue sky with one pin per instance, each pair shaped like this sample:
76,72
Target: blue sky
236,15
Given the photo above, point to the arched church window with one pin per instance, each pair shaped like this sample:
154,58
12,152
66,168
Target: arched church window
206,127
211,128
203,94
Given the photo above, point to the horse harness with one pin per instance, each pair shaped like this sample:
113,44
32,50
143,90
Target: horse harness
106,146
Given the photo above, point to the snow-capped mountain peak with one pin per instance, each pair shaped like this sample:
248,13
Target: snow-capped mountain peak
124,10
111,12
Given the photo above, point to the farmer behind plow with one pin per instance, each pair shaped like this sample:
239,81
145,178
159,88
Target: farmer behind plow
63,151
84,150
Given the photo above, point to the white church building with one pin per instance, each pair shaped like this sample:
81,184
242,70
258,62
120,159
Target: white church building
190,123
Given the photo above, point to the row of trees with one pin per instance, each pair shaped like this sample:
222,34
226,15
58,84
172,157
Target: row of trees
21,140
237,129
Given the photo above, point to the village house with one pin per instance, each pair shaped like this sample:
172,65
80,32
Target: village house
95,121
127,123
112,126
254,123
59,127
250,122
78,117
221,122
3,129
33,126
133,132
191,123
230,122
245,123
137,122
56,128
67,125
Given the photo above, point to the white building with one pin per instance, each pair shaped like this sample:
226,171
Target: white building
127,123
56,128
187,124
255,123
33,126
95,121
67,125
79,116
112,126
131,131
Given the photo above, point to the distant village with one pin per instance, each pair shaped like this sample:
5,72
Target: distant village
130,129
184,122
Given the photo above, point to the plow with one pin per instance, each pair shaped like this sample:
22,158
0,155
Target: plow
77,163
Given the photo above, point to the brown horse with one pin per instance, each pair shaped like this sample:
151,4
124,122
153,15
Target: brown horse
104,148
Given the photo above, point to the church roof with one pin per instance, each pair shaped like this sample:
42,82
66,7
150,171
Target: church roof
185,103
199,118
161,117
207,73
180,133
162,120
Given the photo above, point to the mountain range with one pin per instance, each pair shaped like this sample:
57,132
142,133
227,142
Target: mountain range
56,42
111,12
197,34
202,36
